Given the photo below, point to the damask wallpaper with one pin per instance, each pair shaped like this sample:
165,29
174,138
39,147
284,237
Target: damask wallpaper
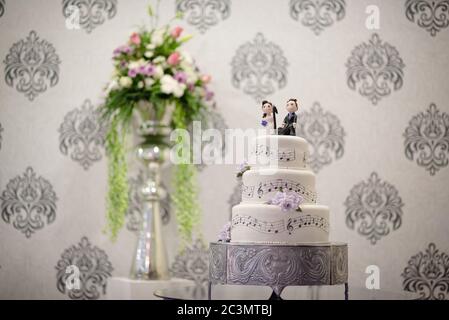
371,77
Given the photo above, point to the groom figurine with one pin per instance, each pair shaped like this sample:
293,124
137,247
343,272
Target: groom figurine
288,128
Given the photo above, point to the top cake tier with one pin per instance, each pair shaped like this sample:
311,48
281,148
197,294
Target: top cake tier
285,152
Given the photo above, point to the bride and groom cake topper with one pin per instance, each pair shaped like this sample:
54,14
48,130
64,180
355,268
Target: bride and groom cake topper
288,126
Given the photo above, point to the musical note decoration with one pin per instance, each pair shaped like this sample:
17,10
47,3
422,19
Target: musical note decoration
276,185
280,226
284,155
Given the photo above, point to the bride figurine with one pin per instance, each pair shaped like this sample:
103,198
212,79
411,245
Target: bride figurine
269,115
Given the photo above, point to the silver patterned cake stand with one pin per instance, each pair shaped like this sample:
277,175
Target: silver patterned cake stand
278,266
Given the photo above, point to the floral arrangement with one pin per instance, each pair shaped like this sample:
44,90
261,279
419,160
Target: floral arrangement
287,200
225,233
152,67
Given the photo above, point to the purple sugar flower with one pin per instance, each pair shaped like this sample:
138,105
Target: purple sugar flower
287,200
181,77
132,73
244,166
225,233
264,123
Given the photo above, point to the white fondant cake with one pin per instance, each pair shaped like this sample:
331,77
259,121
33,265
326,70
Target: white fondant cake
289,152
260,185
268,224
255,220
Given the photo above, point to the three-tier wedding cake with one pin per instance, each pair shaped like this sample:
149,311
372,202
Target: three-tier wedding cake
279,198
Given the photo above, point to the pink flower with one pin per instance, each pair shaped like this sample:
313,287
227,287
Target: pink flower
176,32
174,59
288,200
135,38
205,78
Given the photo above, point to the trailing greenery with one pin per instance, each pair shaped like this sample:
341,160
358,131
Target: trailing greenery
117,196
185,198
186,201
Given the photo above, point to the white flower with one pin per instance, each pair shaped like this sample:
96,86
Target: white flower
150,46
157,38
186,57
113,85
133,65
140,84
148,82
136,64
171,86
159,60
125,82
192,76
158,72
148,54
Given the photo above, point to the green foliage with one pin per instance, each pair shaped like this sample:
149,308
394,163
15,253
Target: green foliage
185,200
117,196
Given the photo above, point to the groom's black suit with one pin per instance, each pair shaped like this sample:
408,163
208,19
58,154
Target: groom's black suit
288,129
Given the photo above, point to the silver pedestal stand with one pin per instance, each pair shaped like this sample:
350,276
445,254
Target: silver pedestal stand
150,258
278,266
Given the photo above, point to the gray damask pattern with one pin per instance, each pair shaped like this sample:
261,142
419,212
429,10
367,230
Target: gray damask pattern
374,207
92,13
259,66
28,202
2,7
192,263
135,208
317,14
427,273
94,270
204,14
432,15
31,66
427,138
325,135
82,135
375,69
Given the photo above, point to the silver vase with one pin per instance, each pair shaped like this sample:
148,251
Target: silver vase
150,259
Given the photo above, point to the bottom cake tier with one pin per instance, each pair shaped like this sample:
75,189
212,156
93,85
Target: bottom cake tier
264,223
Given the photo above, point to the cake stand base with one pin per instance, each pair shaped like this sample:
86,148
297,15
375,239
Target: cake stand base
278,265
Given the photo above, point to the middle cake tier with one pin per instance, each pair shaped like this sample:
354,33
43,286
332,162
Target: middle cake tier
260,185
